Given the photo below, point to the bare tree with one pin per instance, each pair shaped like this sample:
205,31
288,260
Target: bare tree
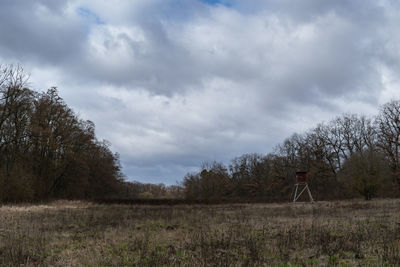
388,128
365,173
45,149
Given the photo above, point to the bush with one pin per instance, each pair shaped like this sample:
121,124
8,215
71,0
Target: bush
365,173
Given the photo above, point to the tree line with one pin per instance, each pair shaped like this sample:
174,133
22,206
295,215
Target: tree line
349,156
139,190
46,151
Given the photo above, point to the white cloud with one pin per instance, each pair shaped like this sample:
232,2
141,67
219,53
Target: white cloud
171,83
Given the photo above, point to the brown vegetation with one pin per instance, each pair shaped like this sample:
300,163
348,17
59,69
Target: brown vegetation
348,157
46,151
65,233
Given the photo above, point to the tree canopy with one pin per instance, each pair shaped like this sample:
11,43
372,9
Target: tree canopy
46,150
349,156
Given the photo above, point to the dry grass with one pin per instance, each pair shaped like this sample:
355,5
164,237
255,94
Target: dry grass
65,233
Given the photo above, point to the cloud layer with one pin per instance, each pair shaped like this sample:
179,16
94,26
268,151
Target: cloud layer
172,83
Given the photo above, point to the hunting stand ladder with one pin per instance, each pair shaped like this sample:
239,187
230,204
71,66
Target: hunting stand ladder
301,186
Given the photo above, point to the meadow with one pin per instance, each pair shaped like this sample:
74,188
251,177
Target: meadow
75,233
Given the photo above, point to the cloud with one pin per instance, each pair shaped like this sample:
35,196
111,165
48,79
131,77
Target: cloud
172,83
41,31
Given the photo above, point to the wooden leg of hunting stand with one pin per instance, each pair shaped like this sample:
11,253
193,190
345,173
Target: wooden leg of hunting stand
309,193
295,192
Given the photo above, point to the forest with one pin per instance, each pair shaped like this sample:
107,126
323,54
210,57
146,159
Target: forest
350,156
48,152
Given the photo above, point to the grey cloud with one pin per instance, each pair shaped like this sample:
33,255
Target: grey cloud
39,30
171,83
366,12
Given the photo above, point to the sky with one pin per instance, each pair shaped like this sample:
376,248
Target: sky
174,83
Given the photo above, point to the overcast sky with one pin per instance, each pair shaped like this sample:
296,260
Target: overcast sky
173,83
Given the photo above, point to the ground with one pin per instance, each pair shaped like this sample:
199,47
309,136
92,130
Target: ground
68,233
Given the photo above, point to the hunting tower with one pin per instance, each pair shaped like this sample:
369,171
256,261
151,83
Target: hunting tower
301,186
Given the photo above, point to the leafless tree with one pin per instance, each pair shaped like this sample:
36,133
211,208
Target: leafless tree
388,128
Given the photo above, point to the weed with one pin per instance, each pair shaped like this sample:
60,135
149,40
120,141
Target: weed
345,233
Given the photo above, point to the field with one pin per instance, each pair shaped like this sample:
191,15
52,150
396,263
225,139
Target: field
67,233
